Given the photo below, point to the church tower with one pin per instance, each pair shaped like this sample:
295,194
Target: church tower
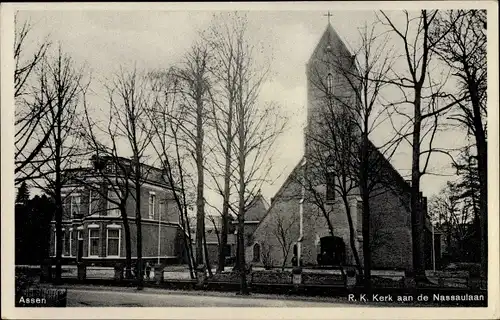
326,226
330,75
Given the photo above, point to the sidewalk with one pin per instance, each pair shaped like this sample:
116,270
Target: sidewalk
204,293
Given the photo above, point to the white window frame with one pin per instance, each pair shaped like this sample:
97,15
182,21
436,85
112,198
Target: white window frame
55,242
90,202
112,209
113,227
151,210
93,228
329,83
71,242
71,197
63,240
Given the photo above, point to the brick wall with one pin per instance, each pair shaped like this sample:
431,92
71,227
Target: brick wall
169,238
286,203
391,231
170,210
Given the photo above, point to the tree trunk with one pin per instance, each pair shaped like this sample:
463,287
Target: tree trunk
417,218
227,190
57,192
241,254
223,239
352,238
138,224
207,258
200,201
365,220
241,195
482,167
188,244
128,243
188,241
59,236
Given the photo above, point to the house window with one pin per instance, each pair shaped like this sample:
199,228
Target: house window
55,242
227,250
75,205
65,244
330,183
93,201
110,168
90,202
256,252
93,242
70,243
329,84
113,242
160,209
152,200
113,198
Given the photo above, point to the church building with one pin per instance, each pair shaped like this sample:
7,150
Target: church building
309,218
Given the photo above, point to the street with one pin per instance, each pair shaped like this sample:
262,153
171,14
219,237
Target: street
129,297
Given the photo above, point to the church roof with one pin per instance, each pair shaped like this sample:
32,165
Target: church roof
257,208
288,180
330,37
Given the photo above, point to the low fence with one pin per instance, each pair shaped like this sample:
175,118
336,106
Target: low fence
255,278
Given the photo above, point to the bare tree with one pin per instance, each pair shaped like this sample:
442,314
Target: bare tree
257,130
245,128
31,104
60,86
111,170
129,99
194,84
225,42
424,93
281,227
463,48
453,216
340,153
168,117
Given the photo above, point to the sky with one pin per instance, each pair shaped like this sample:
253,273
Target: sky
106,40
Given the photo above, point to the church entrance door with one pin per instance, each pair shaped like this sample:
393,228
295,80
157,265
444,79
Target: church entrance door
332,251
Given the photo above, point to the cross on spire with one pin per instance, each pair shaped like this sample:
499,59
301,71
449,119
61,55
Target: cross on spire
328,15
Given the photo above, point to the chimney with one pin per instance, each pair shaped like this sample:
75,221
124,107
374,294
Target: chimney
424,205
272,199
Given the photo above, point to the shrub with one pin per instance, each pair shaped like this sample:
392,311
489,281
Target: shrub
272,277
322,279
225,277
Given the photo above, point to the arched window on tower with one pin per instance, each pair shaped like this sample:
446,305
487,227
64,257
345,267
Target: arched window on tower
329,84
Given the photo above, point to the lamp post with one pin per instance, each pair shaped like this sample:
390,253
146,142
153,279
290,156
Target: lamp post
301,215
